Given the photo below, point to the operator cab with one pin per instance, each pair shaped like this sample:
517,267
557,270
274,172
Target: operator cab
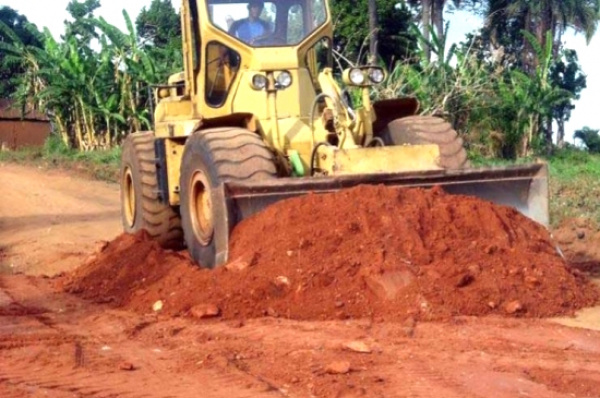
249,28
268,23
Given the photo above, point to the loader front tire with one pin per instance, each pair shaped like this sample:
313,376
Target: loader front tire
419,130
211,157
140,205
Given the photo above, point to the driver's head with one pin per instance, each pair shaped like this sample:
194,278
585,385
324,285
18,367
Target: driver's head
255,8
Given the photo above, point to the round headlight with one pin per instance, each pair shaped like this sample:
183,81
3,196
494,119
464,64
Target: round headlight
357,77
259,82
284,80
376,75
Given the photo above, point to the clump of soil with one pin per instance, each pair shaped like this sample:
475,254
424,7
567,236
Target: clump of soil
370,251
579,240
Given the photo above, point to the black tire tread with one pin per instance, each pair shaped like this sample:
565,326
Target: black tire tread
224,154
161,221
419,130
238,154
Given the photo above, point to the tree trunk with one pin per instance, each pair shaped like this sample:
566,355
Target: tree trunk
373,31
560,134
426,24
64,133
437,17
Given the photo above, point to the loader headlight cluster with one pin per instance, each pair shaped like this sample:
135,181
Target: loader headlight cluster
364,76
357,77
376,75
259,81
284,79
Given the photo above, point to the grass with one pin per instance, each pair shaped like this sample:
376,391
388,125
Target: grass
574,174
574,183
574,186
101,165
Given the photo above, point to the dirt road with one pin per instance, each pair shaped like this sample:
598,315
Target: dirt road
53,344
50,221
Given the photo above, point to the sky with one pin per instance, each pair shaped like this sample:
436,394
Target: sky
52,14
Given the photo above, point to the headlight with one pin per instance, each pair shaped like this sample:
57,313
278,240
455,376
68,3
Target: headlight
284,79
259,82
357,77
376,75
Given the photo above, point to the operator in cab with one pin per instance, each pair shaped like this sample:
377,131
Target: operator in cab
251,28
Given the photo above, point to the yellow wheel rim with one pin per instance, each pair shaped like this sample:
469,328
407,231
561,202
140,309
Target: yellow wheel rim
129,205
201,208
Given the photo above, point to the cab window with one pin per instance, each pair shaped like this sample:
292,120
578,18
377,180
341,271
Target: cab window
268,23
222,65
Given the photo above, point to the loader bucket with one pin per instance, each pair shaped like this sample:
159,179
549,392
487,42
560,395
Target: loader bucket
524,188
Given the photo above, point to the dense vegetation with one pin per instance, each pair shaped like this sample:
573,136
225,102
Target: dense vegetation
508,90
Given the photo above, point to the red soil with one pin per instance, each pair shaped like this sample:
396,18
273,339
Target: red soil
384,253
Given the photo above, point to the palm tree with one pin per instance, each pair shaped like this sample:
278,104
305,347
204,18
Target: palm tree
540,17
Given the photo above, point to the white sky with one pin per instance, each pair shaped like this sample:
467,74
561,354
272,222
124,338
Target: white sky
52,13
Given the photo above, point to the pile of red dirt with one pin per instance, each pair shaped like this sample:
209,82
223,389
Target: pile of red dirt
370,251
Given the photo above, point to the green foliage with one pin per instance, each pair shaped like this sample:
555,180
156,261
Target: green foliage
81,27
574,185
574,182
94,97
159,24
18,38
565,73
98,164
351,27
498,111
159,30
590,138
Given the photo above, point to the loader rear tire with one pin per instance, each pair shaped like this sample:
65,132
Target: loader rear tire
419,130
211,157
140,205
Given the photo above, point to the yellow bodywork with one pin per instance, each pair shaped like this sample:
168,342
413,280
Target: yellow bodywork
380,159
281,86
221,66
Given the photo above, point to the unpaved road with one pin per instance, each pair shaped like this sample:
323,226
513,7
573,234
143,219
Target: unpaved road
55,345
49,220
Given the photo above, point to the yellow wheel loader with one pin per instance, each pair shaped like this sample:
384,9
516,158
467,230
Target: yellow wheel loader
257,116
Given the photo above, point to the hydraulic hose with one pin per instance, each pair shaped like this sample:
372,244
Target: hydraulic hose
312,117
313,156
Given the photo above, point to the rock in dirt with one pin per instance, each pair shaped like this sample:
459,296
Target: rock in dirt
338,367
282,281
358,346
127,366
513,307
205,311
158,306
237,265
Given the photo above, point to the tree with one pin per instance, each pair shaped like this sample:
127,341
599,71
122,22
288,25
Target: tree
81,27
18,33
159,25
590,138
432,18
567,75
506,19
373,28
352,32
159,30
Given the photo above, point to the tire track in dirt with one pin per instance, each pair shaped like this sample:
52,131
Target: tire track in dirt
86,352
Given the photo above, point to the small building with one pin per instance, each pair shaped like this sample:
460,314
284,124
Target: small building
19,130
